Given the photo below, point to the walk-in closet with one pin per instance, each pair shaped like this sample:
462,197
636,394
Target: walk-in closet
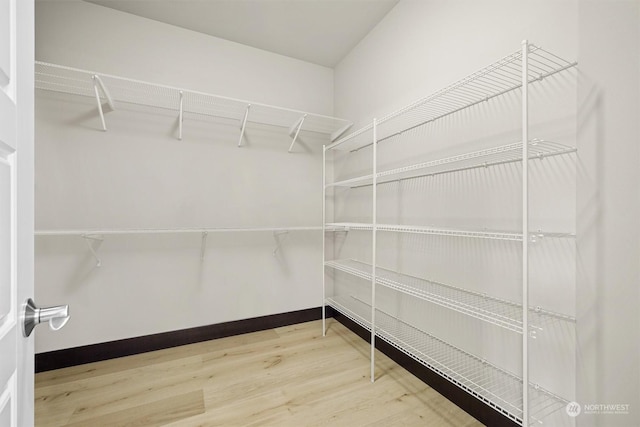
312,212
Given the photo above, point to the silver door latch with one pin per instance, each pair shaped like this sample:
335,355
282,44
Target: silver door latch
56,316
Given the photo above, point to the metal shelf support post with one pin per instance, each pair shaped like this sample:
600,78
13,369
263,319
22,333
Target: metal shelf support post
373,252
324,237
525,233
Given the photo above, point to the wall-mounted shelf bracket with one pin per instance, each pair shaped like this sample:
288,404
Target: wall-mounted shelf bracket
90,239
535,237
295,129
95,89
277,237
335,135
106,93
180,115
244,124
97,83
203,245
339,229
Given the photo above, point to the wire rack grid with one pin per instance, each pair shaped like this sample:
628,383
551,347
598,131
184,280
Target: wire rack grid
509,153
499,78
534,236
496,311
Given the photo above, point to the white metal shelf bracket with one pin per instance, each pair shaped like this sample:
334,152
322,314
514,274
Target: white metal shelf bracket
278,240
335,135
95,90
533,331
89,240
106,93
181,115
296,129
203,245
97,82
244,124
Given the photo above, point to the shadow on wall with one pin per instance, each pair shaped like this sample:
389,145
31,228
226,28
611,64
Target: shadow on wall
591,238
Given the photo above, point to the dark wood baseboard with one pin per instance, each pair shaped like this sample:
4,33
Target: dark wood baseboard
110,350
474,407
130,346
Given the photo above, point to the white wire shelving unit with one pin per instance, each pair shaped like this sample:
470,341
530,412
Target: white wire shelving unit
513,396
494,386
110,91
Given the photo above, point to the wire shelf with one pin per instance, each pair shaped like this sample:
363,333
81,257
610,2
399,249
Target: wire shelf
58,78
361,317
124,231
510,153
477,234
347,226
496,311
489,383
358,181
499,78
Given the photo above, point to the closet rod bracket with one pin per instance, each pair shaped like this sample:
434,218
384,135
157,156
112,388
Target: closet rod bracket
97,93
180,115
243,125
98,86
276,237
90,239
203,245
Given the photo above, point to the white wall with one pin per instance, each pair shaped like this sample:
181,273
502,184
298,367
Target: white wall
93,37
608,205
138,175
420,47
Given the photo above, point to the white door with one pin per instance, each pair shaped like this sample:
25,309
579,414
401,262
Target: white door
16,209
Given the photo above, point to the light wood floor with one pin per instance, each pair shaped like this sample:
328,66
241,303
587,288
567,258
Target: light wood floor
289,376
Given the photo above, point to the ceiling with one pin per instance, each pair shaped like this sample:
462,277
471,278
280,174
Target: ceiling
318,31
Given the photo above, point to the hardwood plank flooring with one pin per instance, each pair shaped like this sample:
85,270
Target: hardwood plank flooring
289,376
